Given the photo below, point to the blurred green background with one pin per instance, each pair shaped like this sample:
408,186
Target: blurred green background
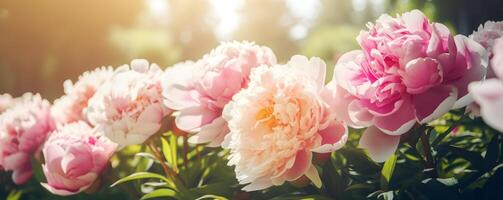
42,43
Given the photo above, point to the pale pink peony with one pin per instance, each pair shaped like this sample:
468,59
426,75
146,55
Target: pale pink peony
200,90
129,106
278,121
489,93
486,35
69,108
6,101
23,129
409,70
75,154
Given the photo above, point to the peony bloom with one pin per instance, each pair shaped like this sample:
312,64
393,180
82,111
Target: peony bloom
6,101
279,121
200,90
486,35
75,154
69,108
489,93
23,129
129,106
409,70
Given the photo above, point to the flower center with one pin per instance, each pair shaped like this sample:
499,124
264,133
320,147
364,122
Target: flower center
266,116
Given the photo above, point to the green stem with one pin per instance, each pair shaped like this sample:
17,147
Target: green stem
167,170
430,162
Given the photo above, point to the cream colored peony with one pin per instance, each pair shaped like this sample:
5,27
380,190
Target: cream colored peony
278,122
69,108
129,108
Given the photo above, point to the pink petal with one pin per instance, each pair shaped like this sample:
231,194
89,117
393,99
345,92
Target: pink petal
339,100
476,59
60,192
212,133
399,122
77,161
414,20
348,73
314,68
421,74
258,185
177,86
497,59
152,114
300,166
489,95
16,161
333,137
434,103
380,146
21,176
192,119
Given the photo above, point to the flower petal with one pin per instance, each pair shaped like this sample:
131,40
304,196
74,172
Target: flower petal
380,146
421,74
312,174
213,132
434,103
192,119
399,122
333,138
489,95
300,166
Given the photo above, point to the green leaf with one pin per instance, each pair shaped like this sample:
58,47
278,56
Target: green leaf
37,170
160,193
15,195
474,158
387,172
166,150
141,175
493,149
174,155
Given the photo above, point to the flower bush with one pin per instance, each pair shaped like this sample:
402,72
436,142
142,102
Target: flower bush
237,124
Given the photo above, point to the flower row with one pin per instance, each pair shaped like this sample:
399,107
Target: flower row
272,117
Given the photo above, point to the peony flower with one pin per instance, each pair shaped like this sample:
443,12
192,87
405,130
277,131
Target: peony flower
489,93
278,121
409,70
69,108
200,90
6,101
75,155
129,106
485,35
23,129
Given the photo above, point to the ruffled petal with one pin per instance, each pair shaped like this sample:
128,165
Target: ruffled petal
380,146
434,103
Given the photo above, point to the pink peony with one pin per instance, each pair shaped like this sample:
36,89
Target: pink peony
409,70
75,154
279,121
6,101
23,129
489,93
129,106
200,90
69,108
